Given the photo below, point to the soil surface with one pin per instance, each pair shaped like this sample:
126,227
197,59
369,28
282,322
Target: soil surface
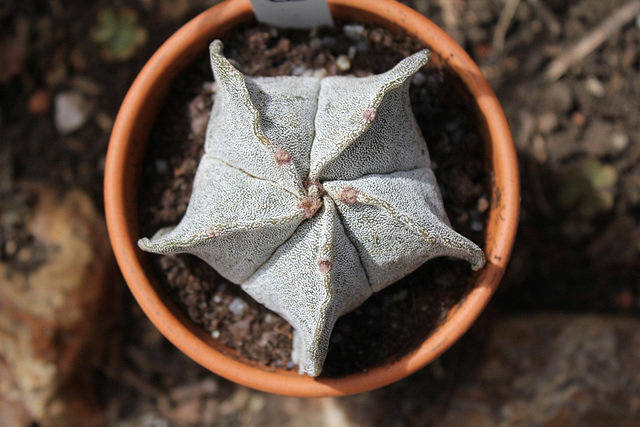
65,67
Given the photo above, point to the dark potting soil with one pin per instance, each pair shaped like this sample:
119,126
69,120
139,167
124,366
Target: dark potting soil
393,321
20,250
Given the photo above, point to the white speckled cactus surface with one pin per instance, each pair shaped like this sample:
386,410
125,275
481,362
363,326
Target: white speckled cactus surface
312,194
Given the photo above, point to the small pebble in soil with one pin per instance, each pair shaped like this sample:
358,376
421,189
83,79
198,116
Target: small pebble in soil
354,32
238,306
315,43
400,295
39,102
298,70
329,41
319,73
162,166
594,87
619,141
560,97
547,122
578,119
10,248
362,46
483,204
104,121
476,225
210,87
343,63
72,110
351,52
625,300
419,79
539,148
462,218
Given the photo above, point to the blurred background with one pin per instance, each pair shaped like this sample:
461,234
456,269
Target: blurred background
558,345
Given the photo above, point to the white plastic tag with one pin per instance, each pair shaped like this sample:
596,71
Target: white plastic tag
301,14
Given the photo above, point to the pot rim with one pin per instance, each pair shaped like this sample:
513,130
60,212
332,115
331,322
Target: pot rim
126,147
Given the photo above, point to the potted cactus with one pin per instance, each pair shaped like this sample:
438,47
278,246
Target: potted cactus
309,221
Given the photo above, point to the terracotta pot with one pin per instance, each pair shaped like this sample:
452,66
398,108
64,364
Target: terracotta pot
127,149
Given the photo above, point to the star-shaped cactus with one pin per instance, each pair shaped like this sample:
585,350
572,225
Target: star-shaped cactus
312,194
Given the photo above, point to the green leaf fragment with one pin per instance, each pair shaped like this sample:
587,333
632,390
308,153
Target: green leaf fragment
118,34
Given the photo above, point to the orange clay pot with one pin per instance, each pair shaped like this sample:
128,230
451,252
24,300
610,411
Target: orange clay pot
127,150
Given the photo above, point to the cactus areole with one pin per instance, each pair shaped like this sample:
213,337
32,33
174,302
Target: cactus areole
312,194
